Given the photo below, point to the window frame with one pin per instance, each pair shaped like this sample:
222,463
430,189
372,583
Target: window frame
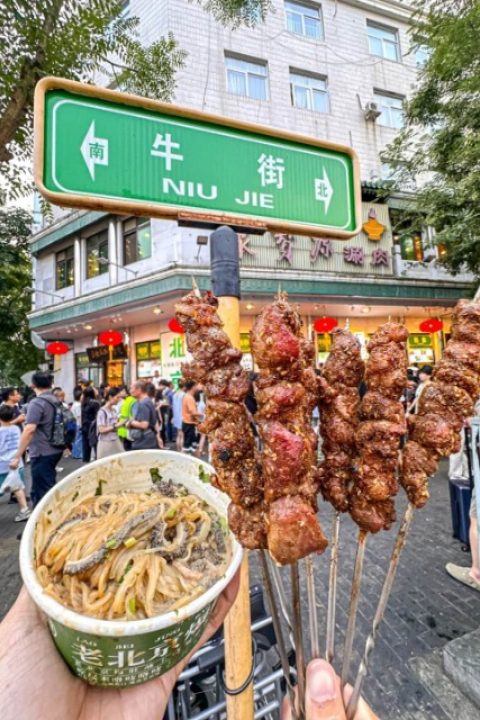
247,75
140,223
380,96
306,6
103,267
372,25
68,260
310,77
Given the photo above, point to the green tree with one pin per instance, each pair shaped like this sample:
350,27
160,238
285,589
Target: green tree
17,354
439,146
80,39
73,39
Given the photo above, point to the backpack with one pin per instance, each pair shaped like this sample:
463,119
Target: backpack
92,435
61,418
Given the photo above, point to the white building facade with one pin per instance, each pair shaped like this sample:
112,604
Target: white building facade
335,70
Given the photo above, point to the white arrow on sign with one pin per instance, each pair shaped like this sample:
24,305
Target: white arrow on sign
94,150
324,190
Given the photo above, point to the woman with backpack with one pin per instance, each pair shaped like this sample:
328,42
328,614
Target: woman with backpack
89,411
107,424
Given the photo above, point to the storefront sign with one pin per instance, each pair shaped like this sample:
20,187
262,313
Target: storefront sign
101,353
174,353
97,147
420,340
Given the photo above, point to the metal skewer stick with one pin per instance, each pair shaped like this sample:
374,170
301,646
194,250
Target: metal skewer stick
281,596
352,614
277,626
312,608
332,589
298,635
380,611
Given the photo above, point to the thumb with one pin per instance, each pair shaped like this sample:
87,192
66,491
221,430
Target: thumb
323,697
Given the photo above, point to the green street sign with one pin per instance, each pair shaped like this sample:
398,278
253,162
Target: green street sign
96,148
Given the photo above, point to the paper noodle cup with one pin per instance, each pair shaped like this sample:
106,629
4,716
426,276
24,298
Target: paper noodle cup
118,653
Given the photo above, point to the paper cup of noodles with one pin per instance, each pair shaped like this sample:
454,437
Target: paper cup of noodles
124,652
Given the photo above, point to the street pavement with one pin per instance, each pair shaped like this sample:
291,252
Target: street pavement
426,609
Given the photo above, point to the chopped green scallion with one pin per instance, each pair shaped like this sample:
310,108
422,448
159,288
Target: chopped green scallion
111,544
170,514
130,542
132,606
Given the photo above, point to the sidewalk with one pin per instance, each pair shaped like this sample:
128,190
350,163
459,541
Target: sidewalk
426,610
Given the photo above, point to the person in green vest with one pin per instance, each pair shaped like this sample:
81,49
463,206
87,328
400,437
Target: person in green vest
125,413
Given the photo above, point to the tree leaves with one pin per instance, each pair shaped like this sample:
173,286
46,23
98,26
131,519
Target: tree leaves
17,354
440,143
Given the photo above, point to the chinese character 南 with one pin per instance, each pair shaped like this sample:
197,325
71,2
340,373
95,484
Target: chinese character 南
380,257
168,146
126,658
321,247
87,655
353,255
285,246
96,150
271,170
244,245
176,348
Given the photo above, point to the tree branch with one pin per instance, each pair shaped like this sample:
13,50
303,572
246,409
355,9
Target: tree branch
30,72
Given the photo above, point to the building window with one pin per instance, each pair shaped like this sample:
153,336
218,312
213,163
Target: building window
248,78
97,254
309,92
391,107
137,240
64,268
422,54
304,20
383,42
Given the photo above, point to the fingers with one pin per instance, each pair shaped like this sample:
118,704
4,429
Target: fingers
323,697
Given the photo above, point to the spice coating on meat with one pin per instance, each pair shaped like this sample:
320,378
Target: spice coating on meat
339,403
382,426
444,404
286,392
216,364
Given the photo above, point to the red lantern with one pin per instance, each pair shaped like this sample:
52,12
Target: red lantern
325,324
57,348
175,326
110,337
431,325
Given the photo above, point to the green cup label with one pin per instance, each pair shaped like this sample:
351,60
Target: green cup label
128,660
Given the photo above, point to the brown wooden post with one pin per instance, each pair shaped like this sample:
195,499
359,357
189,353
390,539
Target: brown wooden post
237,625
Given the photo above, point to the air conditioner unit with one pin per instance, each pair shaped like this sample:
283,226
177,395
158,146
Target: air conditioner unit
371,111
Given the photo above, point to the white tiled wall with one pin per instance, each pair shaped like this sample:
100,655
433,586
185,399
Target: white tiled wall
343,57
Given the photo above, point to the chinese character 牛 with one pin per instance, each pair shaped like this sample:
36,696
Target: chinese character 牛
168,146
271,170
285,246
353,255
321,247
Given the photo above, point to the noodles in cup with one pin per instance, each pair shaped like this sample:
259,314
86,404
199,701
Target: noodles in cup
132,555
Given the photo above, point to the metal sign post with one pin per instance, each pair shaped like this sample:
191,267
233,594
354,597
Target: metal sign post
97,148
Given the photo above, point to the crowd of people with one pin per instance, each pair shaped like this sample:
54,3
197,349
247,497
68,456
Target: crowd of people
40,427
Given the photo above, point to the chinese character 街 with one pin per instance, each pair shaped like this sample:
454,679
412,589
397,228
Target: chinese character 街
271,170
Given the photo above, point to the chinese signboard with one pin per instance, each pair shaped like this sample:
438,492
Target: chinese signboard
99,148
101,353
173,354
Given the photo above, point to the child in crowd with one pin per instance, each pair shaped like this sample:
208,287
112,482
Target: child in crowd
9,442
